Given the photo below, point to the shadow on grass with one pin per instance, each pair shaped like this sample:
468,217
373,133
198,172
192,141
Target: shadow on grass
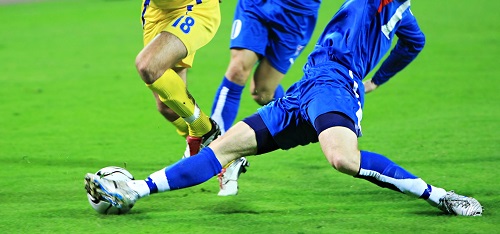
237,207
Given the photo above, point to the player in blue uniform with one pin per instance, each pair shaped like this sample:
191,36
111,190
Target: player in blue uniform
272,35
325,106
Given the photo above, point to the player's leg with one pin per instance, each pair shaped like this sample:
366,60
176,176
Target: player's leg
338,125
265,85
239,141
155,63
162,53
183,32
252,136
181,126
263,88
291,32
153,22
227,98
179,123
339,145
335,108
248,137
249,38
338,134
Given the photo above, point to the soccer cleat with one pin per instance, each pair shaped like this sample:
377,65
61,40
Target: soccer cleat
195,144
118,193
456,204
228,178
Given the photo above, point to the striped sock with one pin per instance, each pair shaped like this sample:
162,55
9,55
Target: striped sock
226,104
385,173
185,173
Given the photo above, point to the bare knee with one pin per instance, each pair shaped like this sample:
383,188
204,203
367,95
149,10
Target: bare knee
265,81
337,161
161,54
340,146
262,97
344,163
145,69
150,67
241,65
238,72
262,92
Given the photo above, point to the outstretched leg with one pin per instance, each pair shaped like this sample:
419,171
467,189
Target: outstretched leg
239,141
340,147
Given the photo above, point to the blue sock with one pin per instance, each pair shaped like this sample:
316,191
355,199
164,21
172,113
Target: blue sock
385,173
185,173
226,104
279,92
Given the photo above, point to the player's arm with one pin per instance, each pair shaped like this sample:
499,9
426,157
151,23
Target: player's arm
411,41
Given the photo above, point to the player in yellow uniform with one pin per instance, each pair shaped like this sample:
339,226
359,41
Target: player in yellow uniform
173,30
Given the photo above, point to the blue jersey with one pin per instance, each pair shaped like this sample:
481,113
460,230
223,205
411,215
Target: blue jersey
352,44
361,33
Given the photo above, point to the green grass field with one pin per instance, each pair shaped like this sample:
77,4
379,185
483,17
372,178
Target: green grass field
71,102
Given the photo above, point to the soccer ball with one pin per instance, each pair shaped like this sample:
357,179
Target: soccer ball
101,205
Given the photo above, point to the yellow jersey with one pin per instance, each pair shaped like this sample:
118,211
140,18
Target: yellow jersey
194,22
174,4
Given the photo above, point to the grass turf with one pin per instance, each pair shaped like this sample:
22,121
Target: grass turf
71,102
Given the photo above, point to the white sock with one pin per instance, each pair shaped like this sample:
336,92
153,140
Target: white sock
436,194
139,186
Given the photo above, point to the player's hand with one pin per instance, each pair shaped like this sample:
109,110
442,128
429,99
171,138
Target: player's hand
369,85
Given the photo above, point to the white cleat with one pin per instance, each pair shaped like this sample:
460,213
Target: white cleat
456,204
118,193
228,178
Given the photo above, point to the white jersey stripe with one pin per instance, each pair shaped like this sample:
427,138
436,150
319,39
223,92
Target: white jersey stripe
398,15
359,112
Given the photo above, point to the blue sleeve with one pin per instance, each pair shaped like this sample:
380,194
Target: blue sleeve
411,41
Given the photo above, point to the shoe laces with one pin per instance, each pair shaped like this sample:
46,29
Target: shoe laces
454,201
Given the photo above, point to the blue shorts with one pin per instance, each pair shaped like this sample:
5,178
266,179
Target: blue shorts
326,88
271,31
330,87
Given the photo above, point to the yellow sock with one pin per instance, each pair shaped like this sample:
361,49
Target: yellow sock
200,126
173,92
181,126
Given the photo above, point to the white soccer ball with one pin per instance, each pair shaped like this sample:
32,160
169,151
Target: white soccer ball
101,205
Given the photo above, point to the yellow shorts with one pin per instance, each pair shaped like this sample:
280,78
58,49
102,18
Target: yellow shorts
194,22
